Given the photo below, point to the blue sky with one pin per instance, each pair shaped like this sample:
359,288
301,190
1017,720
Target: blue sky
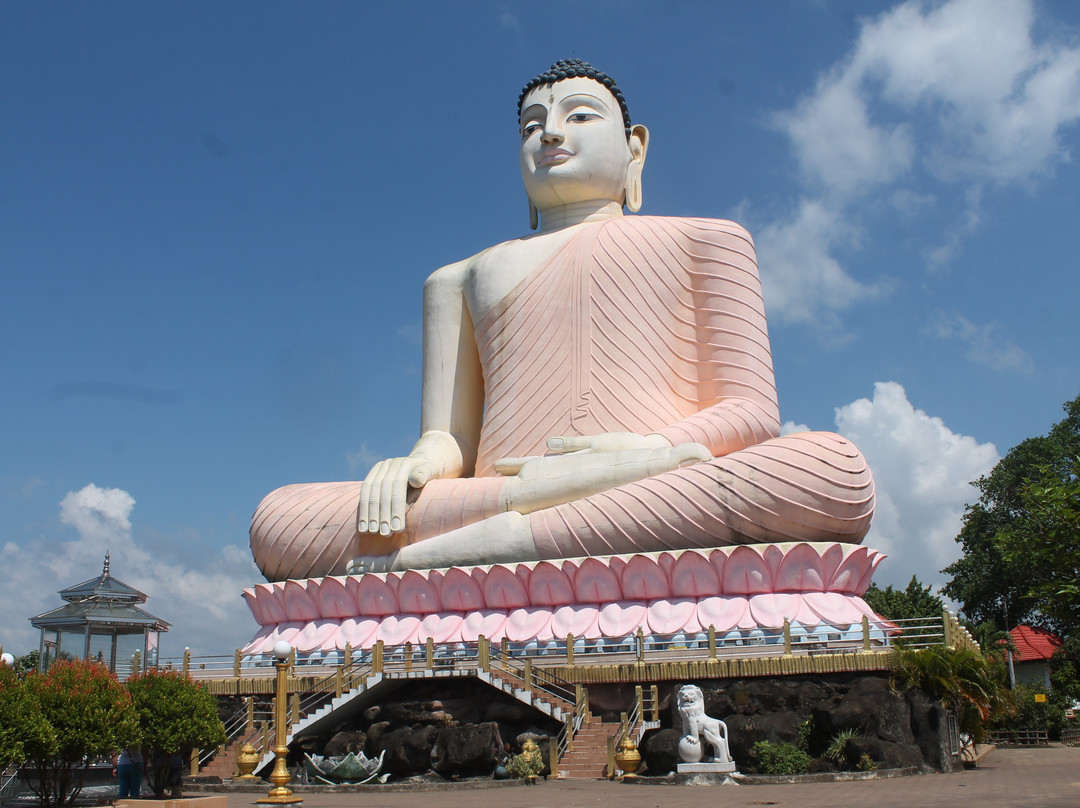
216,218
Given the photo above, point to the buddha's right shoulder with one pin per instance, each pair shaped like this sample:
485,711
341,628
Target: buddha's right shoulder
454,273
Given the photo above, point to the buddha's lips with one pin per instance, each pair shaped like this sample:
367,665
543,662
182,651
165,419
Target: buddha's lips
554,156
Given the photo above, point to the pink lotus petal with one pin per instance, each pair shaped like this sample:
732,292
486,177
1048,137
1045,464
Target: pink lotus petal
504,590
359,632
694,576
331,597
581,621
769,610
833,608
272,603
373,595
722,613
595,582
417,595
256,608
398,629
549,586
529,624
850,572
832,556
874,558
460,592
442,628
620,619
490,624
800,570
746,573
668,616
298,603
642,579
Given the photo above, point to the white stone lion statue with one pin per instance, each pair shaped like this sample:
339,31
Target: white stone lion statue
695,723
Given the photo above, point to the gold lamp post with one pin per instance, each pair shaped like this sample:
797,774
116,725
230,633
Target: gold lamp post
280,794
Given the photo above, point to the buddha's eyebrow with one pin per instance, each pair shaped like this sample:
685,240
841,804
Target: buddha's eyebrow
533,109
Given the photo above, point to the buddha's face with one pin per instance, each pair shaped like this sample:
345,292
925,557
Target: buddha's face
573,144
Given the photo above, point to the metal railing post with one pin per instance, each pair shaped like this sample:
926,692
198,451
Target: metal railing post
249,724
408,656
187,659
348,655
570,650
865,633
712,643
429,653
528,674
639,638
655,703
946,628
236,664
787,637
377,657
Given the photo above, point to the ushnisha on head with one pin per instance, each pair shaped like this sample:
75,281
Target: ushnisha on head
578,146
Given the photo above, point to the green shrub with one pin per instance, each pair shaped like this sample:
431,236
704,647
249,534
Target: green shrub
866,763
780,758
526,765
836,752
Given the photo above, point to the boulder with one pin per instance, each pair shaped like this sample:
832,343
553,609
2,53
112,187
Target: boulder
408,749
885,754
467,751
660,750
341,743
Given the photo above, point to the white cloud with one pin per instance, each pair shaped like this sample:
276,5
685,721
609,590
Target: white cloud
802,281
361,461
203,602
984,345
955,94
923,472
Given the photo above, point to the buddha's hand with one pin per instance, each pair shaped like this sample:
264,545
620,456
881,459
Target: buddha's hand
606,442
542,482
384,490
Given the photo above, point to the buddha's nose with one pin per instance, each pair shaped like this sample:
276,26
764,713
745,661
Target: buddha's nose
552,137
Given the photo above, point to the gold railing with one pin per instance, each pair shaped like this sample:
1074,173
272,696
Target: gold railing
638,657
646,702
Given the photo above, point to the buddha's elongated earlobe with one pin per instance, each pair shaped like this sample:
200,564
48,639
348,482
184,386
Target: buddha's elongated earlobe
534,216
639,145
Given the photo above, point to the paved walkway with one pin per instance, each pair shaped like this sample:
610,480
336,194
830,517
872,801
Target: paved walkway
1008,778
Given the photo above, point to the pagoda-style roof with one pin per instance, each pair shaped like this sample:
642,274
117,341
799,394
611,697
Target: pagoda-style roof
102,602
99,614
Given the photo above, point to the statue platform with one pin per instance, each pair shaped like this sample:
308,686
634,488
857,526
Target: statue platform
741,588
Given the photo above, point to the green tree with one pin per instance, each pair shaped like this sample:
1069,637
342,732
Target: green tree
175,715
21,725
992,580
962,679
89,714
904,604
1046,543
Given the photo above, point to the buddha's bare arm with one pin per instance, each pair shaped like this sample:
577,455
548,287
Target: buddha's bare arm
450,411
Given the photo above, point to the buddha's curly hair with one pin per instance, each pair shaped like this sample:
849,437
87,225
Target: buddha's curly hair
572,69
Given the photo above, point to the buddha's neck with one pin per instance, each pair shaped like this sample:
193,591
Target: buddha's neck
593,210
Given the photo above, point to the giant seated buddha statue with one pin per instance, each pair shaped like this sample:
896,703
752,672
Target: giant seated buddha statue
603,386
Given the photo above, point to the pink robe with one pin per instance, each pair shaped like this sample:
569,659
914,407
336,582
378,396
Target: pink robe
638,324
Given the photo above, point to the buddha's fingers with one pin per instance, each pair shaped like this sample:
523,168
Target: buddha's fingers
606,442
509,466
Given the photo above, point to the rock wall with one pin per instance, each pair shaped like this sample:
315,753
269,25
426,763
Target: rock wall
455,728
895,730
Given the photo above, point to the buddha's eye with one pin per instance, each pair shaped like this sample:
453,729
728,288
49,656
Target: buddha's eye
529,128
583,117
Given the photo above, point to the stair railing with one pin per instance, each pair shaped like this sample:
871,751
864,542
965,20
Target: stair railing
646,703
534,678
240,723
564,741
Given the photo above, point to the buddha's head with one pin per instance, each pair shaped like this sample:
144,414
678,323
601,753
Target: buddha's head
577,142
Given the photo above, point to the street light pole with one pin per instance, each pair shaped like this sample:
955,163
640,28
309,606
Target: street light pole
280,794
